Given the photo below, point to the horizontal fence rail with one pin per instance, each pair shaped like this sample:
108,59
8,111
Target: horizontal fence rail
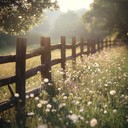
86,47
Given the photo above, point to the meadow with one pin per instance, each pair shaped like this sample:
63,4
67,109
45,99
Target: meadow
94,94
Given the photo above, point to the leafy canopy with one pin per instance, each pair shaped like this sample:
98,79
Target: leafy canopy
19,16
108,17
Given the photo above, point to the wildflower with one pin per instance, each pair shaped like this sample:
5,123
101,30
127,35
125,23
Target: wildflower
30,113
36,98
70,111
65,97
114,111
27,96
87,122
47,110
77,102
43,101
105,111
54,100
93,122
81,110
17,95
43,126
53,110
112,92
46,80
73,117
89,103
105,106
106,85
31,95
39,105
49,106
59,89
62,105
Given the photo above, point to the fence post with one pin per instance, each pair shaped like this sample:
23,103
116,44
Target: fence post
81,46
46,57
88,47
63,54
102,44
93,46
20,81
20,71
106,43
74,50
110,43
98,45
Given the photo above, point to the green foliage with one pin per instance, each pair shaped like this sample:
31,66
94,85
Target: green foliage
108,16
19,16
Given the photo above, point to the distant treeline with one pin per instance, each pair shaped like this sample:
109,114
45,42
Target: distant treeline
7,40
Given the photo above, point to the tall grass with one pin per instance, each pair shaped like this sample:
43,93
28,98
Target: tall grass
94,94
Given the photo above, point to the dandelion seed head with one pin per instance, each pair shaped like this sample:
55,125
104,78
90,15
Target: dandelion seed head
93,122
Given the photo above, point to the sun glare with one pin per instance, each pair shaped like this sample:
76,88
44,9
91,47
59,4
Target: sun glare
66,5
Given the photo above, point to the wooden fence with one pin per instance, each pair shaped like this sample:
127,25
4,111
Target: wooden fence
91,46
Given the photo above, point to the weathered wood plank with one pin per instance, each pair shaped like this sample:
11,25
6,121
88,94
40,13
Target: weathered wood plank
7,80
68,46
46,57
7,59
20,72
35,53
63,54
69,58
56,46
7,104
55,61
77,45
33,71
78,54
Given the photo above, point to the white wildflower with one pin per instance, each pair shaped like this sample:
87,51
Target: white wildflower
93,122
89,103
46,80
114,111
49,106
17,95
73,117
36,98
105,111
43,126
30,113
39,105
31,95
43,101
112,92
65,97
47,110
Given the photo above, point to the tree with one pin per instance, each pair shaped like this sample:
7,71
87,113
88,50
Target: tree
19,16
108,17
68,24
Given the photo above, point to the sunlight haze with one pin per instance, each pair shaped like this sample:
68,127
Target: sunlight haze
66,5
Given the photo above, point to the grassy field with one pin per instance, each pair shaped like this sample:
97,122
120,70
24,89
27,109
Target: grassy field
94,94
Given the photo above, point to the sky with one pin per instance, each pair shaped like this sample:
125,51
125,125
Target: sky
66,5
